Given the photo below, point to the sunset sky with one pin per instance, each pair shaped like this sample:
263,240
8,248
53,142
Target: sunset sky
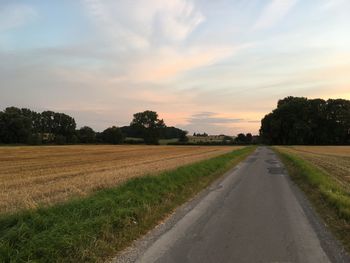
203,65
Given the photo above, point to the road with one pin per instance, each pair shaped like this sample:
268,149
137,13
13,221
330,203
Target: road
254,214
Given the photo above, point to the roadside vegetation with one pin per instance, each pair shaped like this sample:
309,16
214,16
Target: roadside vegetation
323,182
93,228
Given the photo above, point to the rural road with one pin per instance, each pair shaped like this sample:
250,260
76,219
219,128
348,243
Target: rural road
254,214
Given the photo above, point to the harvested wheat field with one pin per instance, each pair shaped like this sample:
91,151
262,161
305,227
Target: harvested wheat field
30,176
335,160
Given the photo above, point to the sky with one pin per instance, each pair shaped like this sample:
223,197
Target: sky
203,65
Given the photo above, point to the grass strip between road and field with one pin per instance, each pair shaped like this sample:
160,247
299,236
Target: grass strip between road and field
93,228
329,197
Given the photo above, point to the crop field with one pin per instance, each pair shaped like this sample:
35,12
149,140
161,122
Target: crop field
30,176
335,160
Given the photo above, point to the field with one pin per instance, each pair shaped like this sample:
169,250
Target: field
94,228
322,172
30,176
334,160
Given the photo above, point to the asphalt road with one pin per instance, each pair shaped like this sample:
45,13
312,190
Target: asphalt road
255,214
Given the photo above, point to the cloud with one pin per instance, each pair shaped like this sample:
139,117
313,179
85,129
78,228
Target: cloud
108,23
138,24
212,123
149,37
177,18
166,63
274,12
15,15
204,114
211,118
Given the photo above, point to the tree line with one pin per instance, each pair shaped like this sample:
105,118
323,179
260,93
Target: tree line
24,126
298,120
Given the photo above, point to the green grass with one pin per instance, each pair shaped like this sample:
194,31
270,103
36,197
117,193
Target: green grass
94,228
331,199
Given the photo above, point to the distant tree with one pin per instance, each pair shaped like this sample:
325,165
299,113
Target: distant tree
112,135
183,136
64,125
58,124
301,121
240,139
204,134
248,138
171,132
15,127
132,131
149,124
26,126
47,119
86,135
99,137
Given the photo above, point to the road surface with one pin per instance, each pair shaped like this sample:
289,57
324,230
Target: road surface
254,214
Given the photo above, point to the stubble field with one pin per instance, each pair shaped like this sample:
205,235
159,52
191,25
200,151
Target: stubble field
335,160
30,176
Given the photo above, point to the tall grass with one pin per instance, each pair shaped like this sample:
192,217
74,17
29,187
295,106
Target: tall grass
93,228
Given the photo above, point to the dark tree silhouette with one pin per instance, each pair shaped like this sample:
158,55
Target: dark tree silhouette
26,126
112,135
149,125
86,135
302,121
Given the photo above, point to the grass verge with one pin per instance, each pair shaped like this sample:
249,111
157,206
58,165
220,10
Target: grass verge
92,229
329,198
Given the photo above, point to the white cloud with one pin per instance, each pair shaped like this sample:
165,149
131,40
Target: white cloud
15,15
136,24
178,18
150,37
274,12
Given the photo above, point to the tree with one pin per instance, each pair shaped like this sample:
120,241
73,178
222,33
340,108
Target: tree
86,135
302,121
248,138
240,139
26,126
183,136
132,131
112,135
15,127
172,132
149,124
47,118
64,125
58,124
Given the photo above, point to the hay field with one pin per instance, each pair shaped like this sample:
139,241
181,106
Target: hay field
30,176
335,160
